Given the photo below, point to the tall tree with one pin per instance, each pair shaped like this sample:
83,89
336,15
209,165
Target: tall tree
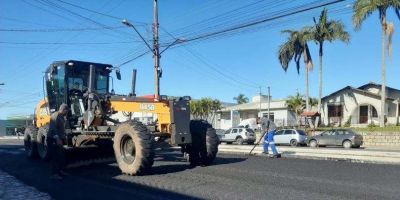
205,108
296,104
241,98
363,9
327,30
293,49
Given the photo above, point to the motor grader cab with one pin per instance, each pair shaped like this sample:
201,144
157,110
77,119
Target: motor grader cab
85,88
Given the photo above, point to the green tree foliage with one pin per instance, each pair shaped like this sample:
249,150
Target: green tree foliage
326,30
296,103
205,108
293,49
241,98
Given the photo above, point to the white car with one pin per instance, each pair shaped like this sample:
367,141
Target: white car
292,137
238,135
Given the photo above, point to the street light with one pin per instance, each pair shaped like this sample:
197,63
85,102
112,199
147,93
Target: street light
127,23
2,84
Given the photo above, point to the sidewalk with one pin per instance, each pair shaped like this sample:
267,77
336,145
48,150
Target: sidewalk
367,155
11,137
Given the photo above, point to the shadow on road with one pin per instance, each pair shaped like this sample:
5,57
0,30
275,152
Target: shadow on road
97,181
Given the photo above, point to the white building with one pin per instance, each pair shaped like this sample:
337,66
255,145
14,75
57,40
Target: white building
360,106
232,116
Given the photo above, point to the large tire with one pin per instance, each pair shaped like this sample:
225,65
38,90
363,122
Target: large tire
205,143
133,148
30,144
42,146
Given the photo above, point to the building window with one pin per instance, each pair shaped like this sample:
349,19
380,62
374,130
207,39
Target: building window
271,116
335,110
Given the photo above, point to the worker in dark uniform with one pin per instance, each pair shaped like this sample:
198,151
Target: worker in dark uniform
55,141
269,126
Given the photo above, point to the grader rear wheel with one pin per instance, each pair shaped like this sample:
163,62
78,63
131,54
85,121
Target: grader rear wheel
133,148
30,145
205,142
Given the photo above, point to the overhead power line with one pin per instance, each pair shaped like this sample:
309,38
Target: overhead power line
99,13
246,25
61,29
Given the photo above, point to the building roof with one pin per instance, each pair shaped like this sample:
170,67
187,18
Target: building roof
360,90
256,106
310,114
373,84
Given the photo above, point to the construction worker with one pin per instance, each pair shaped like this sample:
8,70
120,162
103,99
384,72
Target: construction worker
269,125
55,141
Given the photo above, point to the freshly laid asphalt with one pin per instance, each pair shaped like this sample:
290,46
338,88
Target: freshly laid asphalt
230,177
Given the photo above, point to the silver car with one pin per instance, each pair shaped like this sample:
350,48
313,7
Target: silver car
238,135
292,137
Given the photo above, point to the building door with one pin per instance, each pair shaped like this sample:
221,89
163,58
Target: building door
363,114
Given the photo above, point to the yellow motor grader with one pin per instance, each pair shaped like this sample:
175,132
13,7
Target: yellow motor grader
85,88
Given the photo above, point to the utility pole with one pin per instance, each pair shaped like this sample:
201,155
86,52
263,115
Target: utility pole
269,101
259,109
156,50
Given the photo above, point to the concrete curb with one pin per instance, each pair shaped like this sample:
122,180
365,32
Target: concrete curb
355,156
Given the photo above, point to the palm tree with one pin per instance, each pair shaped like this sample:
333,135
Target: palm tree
327,30
363,9
296,104
313,102
241,98
293,49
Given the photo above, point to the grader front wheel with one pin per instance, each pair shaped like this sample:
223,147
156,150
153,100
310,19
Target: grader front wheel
205,142
133,148
42,143
30,144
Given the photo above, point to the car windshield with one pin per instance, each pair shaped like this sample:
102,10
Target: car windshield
249,130
301,132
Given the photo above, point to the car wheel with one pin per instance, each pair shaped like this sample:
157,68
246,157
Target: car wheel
347,144
313,143
239,141
250,143
293,143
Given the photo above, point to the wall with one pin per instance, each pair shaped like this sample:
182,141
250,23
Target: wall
381,139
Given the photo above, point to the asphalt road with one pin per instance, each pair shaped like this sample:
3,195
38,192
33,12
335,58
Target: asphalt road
231,177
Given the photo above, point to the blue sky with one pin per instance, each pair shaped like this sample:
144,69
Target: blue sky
219,68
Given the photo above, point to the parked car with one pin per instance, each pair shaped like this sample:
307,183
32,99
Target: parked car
337,137
238,135
292,137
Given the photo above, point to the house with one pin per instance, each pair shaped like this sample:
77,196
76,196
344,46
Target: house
232,116
360,106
